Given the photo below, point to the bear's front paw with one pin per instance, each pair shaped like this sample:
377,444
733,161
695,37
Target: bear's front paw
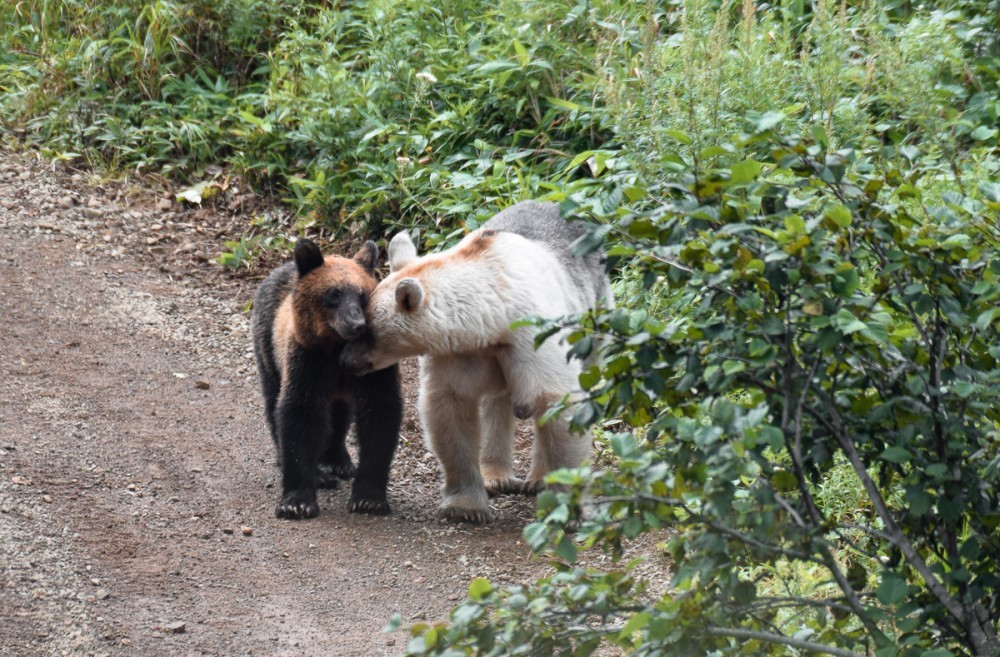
327,477
472,516
465,504
504,486
372,507
297,504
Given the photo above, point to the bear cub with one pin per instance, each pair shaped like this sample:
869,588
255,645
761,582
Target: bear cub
304,314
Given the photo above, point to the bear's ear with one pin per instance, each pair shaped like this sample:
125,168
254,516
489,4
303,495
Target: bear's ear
367,256
401,252
307,256
409,295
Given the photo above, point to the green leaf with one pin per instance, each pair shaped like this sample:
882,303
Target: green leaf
918,501
896,455
634,624
679,135
535,535
768,121
847,322
795,224
990,190
479,588
986,318
523,57
984,133
496,67
892,589
838,214
567,550
744,172
563,104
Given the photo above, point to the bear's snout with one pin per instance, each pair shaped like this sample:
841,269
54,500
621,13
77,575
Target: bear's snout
352,328
349,322
354,358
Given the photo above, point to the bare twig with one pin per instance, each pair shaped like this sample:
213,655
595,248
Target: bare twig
770,637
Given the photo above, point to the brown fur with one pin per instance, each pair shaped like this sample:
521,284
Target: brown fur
302,311
473,249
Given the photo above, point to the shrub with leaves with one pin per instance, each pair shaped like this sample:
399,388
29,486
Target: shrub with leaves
834,324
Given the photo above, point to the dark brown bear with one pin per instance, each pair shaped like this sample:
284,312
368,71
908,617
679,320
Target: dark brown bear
304,314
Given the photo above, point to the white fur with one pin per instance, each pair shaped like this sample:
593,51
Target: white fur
456,310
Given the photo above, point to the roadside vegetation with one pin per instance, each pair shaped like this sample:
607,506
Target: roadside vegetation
800,205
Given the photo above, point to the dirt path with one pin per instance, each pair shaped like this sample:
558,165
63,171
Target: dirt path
137,479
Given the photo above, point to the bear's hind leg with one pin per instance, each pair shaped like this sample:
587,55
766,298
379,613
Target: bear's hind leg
555,447
270,387
334,461
300,428
496,461
378,416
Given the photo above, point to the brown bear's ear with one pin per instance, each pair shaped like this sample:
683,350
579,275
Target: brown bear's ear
307,256
409,295
367,255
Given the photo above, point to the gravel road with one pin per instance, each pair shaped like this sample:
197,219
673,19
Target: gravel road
137,478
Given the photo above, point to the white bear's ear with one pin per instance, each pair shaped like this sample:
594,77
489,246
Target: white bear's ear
401,252
409,295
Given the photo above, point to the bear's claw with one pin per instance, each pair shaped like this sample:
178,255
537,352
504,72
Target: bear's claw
533,487
369,507
505,486
472,516
297,505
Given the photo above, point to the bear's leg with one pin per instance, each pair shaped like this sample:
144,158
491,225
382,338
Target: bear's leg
496,462
555,447
334,461
270,386
452,426
531,375
302,427
378,417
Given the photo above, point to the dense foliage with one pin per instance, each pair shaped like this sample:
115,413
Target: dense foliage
799,202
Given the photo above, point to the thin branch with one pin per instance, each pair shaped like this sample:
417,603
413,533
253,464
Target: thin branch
896,535
768,637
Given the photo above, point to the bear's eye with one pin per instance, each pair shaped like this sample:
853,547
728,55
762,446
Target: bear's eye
332,297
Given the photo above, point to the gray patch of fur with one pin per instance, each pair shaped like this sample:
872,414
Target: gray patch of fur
540,222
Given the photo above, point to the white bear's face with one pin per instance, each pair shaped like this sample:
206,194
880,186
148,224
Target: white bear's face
397,316
441,304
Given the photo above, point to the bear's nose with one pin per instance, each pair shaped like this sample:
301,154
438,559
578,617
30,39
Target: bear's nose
354,328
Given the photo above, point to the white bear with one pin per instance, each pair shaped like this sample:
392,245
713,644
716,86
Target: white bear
455,309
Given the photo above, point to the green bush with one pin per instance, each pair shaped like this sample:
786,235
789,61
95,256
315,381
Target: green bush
832,329
807,424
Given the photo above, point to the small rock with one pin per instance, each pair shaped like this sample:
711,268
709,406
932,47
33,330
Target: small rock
248,531
164,204
47,499
227,530
177,627
202,385
20,481
102,594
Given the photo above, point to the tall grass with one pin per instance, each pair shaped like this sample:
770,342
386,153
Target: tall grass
371,115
